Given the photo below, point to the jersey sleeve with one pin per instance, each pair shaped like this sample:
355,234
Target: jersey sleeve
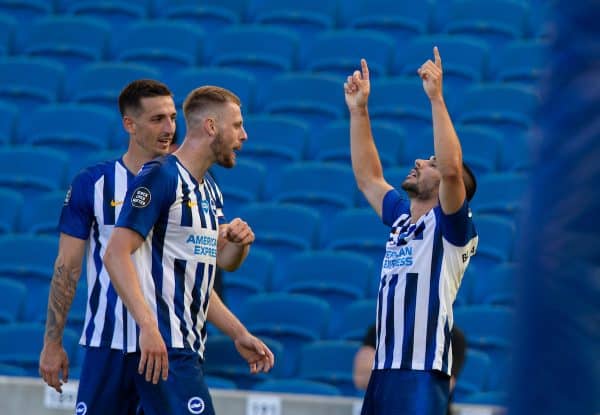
151,192
394,205
77,214
457,228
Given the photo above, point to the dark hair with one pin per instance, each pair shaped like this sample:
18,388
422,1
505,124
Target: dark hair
131,96
205,96
470,181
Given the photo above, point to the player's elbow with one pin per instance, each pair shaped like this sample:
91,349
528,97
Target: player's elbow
451,171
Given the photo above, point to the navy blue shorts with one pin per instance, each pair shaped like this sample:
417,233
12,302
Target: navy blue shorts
183,393
107,384
406,392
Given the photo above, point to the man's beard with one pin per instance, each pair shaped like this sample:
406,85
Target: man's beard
218,149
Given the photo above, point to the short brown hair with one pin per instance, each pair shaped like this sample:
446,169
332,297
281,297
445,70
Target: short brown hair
205,97
131,96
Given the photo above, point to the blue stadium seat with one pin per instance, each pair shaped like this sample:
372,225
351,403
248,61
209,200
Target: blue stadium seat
401,101
32,170
12,370
305,18
465,291
337,277
275,141
76,165
74,129
292,319
8,123
402,20
464,59
211,15
354,321
481,147
517,153
314,98
332,142
283,229
7,35
13,295
10,210
329,361
507,108
241,185
70,40
500,194
252,277
359,231
101,83
338,52
217,382
27,82
496,21
474,375
496,287
31,338
521,61
17,261
240,82
488,329
301,386
117,13
42,213
158,43
26,11
222,359
326,187
264,51
496,237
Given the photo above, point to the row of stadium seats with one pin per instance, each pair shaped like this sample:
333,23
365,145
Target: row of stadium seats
496,20
265,50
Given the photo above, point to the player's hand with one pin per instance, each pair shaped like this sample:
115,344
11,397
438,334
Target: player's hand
154,361
431,73
358,87
259,357
54,365
238,232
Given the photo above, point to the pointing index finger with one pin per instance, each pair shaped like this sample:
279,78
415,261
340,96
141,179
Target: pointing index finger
365,69
437,57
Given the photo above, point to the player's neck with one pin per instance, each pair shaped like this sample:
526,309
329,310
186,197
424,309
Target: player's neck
193,157
134,162
419,207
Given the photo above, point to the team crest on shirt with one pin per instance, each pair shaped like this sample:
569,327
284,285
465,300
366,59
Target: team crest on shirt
141,197
81,408
195,405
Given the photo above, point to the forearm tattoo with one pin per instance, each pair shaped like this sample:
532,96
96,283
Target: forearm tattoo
62,291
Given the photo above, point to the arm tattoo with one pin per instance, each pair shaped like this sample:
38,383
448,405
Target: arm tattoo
62,291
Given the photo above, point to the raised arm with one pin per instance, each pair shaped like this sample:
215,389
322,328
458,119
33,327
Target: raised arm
234,243
257,354
447,148
365,158
123,275
54,362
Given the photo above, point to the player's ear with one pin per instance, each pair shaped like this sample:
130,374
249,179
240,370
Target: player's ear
210,126
128,124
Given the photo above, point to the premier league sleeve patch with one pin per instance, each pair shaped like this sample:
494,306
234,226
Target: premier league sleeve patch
141,197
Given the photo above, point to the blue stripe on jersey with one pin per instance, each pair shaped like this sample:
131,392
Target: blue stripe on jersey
434,300
379,322
410,305
108,197
196,302
211,273
109,315
186,210
94,299
162,310
200,200
446,346
179,298
389,323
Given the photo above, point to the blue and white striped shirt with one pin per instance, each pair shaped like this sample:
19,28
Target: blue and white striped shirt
91,207
179,219
421,272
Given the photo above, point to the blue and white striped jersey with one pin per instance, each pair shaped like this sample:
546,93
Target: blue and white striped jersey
179,219
421,272
91,207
